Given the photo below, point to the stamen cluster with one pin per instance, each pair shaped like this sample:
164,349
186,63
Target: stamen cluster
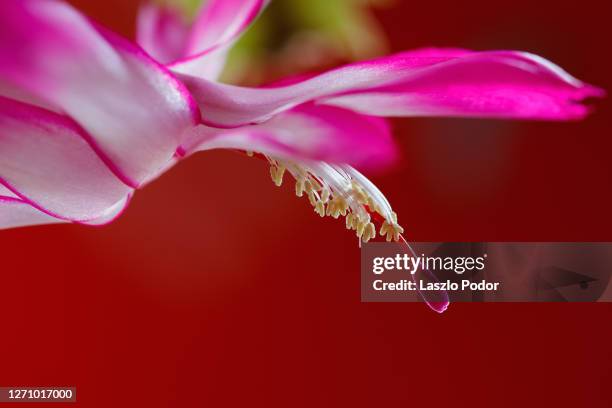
336,191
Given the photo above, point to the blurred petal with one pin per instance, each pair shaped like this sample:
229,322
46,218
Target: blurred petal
498,84
162,32
219,24
307,132
47,162
133,108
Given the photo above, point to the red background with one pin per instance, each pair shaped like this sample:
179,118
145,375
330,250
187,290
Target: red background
216,288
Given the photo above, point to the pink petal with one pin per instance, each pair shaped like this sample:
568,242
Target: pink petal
219,24
46,161
12,91
308,132
133,108
162,32
6,193
16,213
111,213
500,84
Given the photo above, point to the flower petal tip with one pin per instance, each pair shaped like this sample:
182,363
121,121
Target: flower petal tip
579,105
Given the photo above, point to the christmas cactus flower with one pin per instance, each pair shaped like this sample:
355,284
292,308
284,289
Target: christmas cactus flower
87,117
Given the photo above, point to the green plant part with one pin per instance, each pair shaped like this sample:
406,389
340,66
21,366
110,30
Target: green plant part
302,35
293,36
